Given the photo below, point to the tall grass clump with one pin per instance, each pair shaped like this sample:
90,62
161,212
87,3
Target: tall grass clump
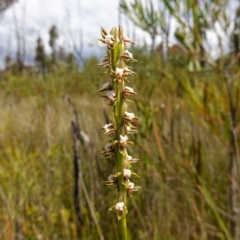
123,123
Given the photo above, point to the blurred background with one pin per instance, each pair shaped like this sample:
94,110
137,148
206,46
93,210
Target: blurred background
188,84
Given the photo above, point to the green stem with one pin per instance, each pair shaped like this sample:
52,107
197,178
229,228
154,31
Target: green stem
122,191
119,157
123,223
118,117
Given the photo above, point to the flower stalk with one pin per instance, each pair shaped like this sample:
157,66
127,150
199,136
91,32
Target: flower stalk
117,94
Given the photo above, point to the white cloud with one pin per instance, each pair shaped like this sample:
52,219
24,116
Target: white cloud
35,17
72,17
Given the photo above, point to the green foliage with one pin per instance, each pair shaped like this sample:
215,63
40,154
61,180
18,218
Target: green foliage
182,140
185,135
144,17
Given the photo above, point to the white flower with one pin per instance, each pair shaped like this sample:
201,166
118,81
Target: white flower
108,147
127,173
106,85
130,129
129,158
119,71
111,95
130,185
127,70
111,178
128,89
128,53
108,39
108,127
123,140
105,62
128,57
129,115
119,206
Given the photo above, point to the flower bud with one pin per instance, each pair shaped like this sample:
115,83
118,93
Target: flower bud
114,32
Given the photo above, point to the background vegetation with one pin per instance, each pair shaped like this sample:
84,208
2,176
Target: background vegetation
188,143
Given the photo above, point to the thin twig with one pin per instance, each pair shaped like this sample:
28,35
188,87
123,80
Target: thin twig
91,209
77,174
